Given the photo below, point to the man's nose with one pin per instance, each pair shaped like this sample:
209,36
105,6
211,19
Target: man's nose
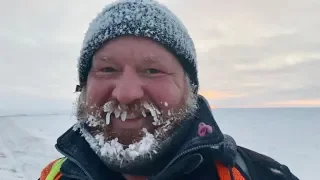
128,88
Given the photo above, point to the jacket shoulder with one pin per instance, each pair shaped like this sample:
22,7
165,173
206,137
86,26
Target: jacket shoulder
260,165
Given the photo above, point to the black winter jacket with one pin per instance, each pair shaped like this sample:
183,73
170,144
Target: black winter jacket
193,161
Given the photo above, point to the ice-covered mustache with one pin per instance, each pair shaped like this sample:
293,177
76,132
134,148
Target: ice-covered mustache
124,113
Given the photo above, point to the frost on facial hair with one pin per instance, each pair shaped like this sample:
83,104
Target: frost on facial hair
154,113
112,148
92,121
115,151
118,111
122,111
76,126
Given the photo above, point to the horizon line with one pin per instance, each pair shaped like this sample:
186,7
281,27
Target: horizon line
70,113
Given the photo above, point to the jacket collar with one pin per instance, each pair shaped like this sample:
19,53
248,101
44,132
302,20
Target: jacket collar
84,163
81,162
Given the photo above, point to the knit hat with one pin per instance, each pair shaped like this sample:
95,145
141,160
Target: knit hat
144,18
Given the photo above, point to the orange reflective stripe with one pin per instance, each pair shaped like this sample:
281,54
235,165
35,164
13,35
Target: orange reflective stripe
224,173
52,170
46,170
58,176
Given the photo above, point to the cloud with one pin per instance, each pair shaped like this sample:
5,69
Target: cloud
250,53
266,53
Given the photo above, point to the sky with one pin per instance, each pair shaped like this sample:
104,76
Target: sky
250,53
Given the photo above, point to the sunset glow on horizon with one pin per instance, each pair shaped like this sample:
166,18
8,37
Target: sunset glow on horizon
213,96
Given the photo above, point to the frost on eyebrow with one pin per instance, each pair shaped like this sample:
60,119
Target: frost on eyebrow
105,58
99,60
151,59
166,63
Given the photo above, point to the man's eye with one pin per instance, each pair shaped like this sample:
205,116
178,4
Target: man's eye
153,71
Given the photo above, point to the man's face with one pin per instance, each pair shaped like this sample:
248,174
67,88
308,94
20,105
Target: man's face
135,86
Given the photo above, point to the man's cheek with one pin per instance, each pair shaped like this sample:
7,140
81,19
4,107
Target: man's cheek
93,96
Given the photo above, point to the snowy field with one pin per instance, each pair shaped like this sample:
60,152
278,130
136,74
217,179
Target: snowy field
291,136
26,144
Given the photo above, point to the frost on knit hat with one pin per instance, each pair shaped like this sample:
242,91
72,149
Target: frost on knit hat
144,18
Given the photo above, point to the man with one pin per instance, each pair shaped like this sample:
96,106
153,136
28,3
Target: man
139,113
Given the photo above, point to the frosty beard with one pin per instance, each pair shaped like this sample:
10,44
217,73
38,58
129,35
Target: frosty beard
145,146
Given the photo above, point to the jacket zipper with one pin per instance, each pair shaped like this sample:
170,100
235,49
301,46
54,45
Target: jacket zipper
182,154
77,163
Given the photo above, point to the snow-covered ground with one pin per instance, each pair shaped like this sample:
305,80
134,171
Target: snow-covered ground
290,136
26,144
